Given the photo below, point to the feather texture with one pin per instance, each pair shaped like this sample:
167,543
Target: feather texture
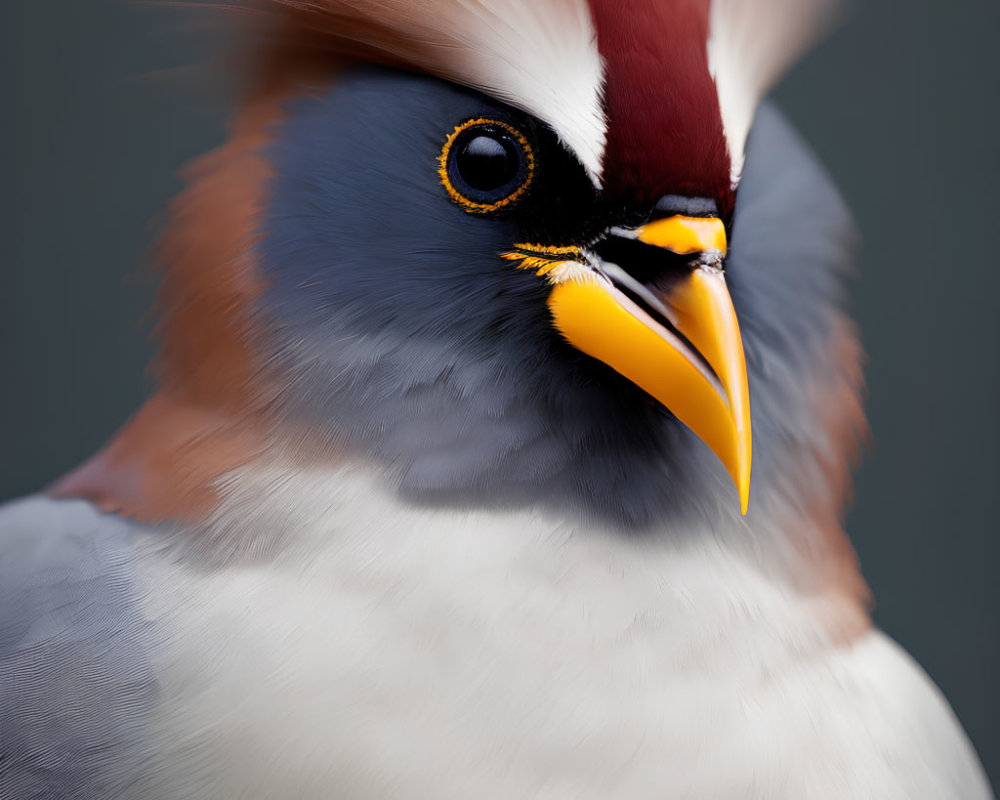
538,56
751,42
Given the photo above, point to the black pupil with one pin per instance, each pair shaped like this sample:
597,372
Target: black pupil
487,161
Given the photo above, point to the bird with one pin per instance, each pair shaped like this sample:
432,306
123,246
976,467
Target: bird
506,405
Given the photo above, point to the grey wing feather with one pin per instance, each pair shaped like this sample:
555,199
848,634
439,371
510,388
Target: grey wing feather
76,685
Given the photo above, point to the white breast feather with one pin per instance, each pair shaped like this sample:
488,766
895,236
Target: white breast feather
362,648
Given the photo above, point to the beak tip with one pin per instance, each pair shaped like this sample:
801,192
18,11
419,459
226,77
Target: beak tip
740,474
742,481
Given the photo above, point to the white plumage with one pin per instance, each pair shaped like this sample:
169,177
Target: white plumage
751,43
395,652
538,55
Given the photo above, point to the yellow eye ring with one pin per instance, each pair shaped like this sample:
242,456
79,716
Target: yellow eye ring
479,202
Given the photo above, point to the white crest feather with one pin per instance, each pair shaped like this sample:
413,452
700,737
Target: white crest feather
539,56
751,43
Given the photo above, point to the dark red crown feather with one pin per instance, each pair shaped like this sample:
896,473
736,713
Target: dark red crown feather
665,132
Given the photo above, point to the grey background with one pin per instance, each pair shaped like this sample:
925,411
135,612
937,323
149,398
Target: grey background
96,116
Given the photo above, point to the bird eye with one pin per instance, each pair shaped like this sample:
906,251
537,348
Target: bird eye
486,165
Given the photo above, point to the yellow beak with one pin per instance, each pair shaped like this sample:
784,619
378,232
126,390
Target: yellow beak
693,362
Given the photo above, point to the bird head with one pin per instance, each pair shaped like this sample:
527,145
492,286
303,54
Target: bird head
491,247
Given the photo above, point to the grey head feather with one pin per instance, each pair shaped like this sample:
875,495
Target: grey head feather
406,337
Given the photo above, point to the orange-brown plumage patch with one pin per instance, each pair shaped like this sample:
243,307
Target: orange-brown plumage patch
825,496
210,414
165,462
